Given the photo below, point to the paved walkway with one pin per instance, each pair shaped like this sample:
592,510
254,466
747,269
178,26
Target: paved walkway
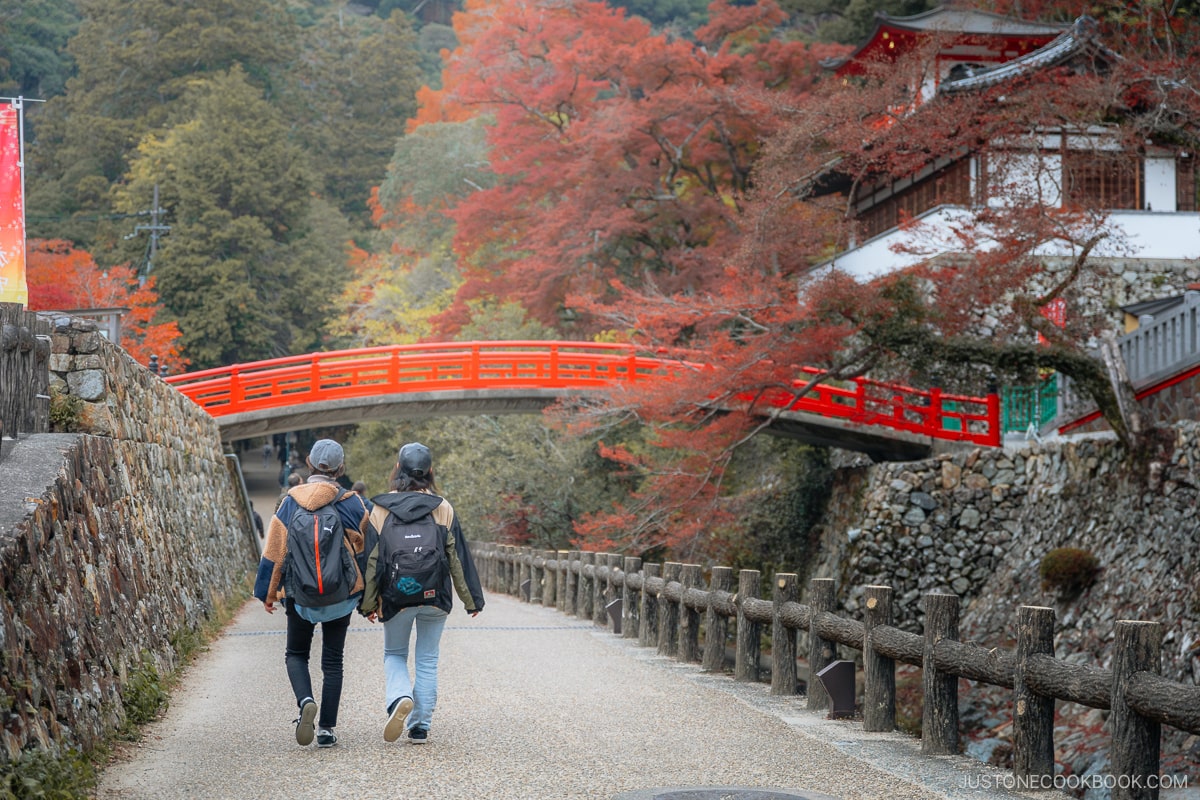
534,705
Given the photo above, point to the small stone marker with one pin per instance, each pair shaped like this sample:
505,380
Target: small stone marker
614,613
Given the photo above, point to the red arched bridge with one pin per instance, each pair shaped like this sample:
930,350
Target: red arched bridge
887,421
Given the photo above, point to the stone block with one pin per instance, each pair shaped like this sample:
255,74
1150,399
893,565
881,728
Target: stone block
89,384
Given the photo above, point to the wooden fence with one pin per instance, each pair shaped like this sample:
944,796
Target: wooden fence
667,606
24,372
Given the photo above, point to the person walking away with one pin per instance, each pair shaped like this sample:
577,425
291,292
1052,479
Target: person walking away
404,597
317,521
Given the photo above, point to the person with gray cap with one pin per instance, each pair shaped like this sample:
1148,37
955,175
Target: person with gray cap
410,510
327,462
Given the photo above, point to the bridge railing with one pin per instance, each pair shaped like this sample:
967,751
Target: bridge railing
667,606
416,368
284,382
932,412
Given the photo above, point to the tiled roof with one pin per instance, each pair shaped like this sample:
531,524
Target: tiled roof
1081,37
967,21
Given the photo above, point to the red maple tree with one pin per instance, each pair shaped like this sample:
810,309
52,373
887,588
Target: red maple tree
622,154
61,277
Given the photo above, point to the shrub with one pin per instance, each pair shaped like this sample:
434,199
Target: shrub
144,695
1068,570
64,411
41,774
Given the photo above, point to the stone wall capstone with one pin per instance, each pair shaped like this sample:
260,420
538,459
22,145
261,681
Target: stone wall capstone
125,536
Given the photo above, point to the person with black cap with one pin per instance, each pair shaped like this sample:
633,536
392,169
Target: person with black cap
412,499
327,462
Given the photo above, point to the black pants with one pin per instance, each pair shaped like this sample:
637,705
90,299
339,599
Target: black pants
333,643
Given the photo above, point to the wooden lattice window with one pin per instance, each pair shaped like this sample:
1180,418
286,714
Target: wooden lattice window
948,186
1186,187
1103,180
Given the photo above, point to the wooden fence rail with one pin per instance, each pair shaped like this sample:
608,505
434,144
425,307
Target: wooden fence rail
662,605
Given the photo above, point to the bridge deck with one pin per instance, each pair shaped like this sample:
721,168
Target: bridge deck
534,705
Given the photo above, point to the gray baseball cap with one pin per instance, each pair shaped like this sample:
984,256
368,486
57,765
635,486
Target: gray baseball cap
326,455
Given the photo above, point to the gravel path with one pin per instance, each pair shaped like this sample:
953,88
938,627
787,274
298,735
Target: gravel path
534,706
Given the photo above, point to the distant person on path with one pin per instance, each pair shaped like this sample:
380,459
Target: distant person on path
292,480
267,454
403,514
278,576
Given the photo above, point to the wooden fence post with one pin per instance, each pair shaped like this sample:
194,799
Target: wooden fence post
1137,647
560,591
630,600
879,671
610,585
549,579
511,571
583,603
648,612
716,626
821,652
1033,714
745,662
668,613
689,618
524,572
599,615
783,638
536,572
571,595
939,714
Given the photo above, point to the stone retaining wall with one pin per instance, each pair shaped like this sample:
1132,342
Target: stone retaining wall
125,537
978,523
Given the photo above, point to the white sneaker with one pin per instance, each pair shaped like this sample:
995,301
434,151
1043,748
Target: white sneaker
395,723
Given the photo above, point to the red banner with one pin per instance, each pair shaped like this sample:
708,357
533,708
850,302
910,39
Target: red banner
13,288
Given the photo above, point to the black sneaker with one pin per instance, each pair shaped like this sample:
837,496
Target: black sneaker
304,723
395,724
418,735
326,738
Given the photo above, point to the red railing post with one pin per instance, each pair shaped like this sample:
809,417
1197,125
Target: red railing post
993,419
860,395
236,395
553,362
933,421
473,377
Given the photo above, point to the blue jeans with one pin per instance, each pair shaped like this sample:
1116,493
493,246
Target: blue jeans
397,631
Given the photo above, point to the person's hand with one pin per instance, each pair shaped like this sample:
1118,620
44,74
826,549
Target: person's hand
269,606
373,617
474,613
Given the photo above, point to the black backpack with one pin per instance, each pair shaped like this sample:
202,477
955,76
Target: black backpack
319,569
412,565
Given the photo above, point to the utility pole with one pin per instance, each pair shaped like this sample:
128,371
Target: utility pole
155,230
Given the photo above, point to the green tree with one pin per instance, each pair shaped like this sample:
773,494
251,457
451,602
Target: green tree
849,21
251,265
349,97
135,59
34,61
416,272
